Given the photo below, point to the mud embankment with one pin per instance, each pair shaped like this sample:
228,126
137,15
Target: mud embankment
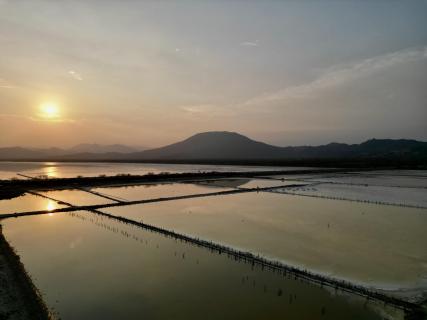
19,298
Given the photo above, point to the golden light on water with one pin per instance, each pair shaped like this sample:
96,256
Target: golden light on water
51,205
49,110
50,170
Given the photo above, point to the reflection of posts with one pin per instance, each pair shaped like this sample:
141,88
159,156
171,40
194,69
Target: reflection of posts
275,266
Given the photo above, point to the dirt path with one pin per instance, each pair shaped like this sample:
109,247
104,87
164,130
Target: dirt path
19,299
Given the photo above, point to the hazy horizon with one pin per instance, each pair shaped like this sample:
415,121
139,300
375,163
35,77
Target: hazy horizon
145,147
141,147
153,73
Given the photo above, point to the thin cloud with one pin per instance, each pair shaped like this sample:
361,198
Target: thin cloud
208,110
198,109
5,85
75,75
250,43
7,117
340,75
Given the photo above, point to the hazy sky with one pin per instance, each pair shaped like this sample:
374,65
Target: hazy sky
150,73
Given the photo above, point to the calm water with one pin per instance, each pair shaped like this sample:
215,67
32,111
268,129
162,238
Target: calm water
416,180
250,183
77,197
397,195
90,267
111,271
27,202
9,170
152,191
377,245
155,190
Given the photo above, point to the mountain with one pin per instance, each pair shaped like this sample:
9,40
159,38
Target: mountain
224,146
26,153
79,151
234,146
212,145
99,148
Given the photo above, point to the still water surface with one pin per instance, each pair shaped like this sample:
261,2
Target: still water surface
153,191
9,170
27,202
89,267
382,246
115,271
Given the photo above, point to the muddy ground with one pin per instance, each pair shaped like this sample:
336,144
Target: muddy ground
19,298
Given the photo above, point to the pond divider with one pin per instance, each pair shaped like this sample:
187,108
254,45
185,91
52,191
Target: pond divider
357,184
273,265
240,255
349,199
128,203
102,195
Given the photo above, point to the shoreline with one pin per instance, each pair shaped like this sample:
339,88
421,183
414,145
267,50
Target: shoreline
19,297
13,188
345,162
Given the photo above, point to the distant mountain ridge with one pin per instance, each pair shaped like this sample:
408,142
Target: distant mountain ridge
223,145
99,148
84,148
234,146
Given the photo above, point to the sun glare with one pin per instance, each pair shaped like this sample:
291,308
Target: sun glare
50,205
49,110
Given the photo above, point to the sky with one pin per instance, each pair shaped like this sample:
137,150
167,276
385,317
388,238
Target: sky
149,73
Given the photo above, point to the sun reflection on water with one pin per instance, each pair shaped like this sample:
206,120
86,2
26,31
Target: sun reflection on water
50,170
51,205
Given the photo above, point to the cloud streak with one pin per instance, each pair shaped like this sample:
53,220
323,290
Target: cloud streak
250,43
75,75
341,75
5,85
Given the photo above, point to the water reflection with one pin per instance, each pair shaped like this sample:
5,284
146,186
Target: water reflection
310,233
50,170
27,202
51,205
128,271
76,197
246,183
152,191
67,169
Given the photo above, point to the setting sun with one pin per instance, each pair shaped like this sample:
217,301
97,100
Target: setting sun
179,159
49,110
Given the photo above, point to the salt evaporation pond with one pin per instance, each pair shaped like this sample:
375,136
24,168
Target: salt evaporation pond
249,183
381,246
371,179
27,202
158,190
403,196
89,267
